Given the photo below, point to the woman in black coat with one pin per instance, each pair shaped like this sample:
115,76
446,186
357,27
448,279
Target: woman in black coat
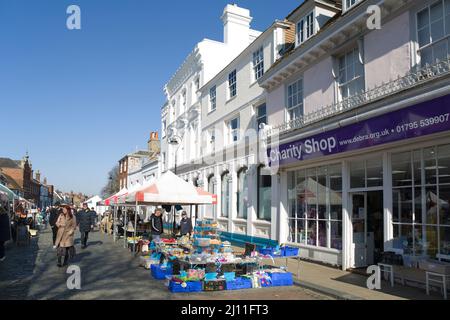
5,231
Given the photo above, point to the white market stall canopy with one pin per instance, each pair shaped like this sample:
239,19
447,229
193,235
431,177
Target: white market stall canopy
6,191
170,189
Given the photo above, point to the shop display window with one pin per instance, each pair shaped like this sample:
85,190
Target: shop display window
315,206
421,201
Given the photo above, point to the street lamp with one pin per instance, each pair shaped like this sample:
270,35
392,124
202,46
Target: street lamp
175,141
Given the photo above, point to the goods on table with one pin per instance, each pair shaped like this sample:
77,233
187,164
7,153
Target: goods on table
207,264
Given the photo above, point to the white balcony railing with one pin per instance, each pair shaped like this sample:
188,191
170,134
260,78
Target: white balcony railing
416,77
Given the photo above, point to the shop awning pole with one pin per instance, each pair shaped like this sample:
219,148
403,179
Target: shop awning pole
114,223
135,227
125,228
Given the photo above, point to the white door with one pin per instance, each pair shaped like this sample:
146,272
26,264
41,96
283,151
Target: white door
359,223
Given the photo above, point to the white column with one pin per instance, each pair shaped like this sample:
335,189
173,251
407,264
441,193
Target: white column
347,228
253,198
234,187
275,206
388,233
283,225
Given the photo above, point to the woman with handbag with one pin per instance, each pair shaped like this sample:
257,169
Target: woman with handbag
67,224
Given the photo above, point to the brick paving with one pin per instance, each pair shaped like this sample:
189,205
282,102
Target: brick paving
108,271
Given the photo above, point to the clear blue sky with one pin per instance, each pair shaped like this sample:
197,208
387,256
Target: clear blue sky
79,100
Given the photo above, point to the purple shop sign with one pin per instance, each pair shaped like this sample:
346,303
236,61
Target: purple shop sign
419,120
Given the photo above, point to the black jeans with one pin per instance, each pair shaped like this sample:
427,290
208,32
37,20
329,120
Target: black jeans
84,238
66,258
2,249
55,233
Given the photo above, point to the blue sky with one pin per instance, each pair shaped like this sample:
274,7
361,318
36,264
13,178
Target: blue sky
79,100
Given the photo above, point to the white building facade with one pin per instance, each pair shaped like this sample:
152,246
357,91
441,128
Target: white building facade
357,135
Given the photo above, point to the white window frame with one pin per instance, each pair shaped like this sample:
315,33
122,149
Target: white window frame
299,104
348,7
183,100
258,63
355,78
232,132
212,98
258,116
232,84
303,30
432,42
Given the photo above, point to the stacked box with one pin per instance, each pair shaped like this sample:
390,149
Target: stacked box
282,279
159,272
215,285
238,284
289,251
191,286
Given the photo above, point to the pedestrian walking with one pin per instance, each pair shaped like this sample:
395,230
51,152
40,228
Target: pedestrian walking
85,222
67,224
5,231
52,219
157,227
185,225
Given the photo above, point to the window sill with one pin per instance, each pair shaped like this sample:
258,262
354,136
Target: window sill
223,219
231,99
262,223
211,111
307,246
253,83
240,220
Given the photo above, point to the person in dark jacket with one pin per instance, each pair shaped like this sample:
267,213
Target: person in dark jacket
156,225
5,231
185,224
85,222
53,217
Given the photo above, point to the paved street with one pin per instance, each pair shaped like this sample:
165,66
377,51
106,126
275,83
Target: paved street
108,272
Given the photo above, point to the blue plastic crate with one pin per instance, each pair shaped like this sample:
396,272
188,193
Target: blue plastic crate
266,251
289,251
191,286
160,273
239,284
282,279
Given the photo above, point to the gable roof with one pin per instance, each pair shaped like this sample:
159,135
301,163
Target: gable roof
8,163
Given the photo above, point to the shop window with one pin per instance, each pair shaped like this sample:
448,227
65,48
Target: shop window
242,194
315,206
226,195
264,195
421,194
366,173
212,188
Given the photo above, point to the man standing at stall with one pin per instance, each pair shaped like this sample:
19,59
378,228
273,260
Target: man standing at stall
157,225
185,225
85,221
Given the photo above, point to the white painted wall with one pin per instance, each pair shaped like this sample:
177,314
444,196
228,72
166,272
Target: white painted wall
388,51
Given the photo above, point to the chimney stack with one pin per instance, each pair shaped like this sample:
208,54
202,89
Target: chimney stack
236,27
154,145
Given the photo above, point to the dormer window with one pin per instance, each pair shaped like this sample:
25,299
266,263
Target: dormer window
305,28
348,4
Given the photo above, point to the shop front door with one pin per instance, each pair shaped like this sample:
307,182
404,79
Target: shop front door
359,222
